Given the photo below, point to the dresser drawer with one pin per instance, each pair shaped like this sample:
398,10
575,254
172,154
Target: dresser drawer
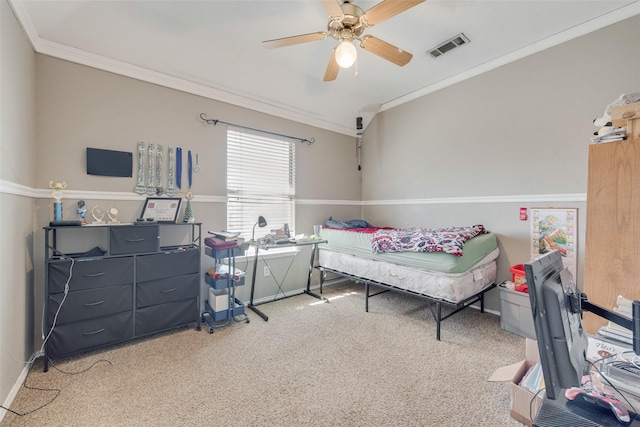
90,304
90,273
166,316
73,337
168,264
134,239
161,291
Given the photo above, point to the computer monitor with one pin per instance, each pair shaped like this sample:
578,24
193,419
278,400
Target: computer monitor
557,309
555,305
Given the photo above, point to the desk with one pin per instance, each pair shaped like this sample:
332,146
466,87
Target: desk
314,245
559,412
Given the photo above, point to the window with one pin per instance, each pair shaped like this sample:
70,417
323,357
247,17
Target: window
260,181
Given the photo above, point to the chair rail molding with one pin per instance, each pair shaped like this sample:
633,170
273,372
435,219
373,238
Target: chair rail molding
8,187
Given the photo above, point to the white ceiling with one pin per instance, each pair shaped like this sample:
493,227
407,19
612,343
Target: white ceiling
213,48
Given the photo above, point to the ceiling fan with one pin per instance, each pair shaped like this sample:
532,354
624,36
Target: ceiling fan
347,22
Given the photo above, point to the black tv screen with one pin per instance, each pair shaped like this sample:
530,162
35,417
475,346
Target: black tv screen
109,162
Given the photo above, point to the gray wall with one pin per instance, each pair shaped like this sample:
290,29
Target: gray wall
17,146
81,107
513,137
517,136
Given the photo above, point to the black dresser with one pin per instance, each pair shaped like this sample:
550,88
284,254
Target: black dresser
136,281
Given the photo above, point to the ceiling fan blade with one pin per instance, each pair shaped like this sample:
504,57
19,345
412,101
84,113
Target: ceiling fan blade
332,7
288,41
385,50
332,68
387,9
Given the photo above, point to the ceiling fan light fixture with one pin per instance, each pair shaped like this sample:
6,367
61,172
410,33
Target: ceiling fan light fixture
346,54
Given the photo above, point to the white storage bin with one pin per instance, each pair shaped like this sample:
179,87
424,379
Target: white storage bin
218,299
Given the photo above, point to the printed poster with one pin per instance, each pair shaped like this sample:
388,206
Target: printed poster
555,228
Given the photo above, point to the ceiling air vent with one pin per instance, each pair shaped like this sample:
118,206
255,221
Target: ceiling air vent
450,44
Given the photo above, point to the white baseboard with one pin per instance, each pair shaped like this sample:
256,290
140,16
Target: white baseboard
14,390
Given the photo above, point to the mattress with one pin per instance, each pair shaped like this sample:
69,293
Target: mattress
352,242
451,287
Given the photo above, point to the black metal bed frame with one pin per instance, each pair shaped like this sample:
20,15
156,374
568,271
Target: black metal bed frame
437,314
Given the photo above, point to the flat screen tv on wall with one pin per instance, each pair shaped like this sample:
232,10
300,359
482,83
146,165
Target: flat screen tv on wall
109,162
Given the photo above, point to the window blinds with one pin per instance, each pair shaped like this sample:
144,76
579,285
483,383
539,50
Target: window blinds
260,181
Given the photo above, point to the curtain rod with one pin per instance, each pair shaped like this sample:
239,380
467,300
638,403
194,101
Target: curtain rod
214,122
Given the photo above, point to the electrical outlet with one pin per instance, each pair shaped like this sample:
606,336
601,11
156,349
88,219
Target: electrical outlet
267,272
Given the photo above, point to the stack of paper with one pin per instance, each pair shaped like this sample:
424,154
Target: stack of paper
226,235
612,134
533,380
615,333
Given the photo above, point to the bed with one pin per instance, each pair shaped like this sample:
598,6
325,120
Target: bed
453,278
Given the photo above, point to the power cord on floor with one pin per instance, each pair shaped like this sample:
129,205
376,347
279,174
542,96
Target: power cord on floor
41,353
24,384
55,390
78,372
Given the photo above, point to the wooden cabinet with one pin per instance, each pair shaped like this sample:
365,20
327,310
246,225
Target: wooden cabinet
131,288
612,254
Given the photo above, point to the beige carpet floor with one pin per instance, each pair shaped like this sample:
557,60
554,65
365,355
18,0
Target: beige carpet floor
311,364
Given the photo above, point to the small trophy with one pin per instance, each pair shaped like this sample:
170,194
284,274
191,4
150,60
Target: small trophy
57,188
98,215
113,215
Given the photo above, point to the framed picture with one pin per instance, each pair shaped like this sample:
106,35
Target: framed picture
163,210
555,228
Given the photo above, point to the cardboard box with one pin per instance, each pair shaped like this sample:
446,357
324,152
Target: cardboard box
531,351
524,403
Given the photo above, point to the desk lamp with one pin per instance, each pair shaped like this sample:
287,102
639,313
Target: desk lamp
261,223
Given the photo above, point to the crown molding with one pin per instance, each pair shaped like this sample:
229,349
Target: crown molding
71,54
68,53
610,18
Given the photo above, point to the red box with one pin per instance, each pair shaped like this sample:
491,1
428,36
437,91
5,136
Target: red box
518,275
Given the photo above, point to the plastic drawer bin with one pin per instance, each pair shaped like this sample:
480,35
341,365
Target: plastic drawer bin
222,283
224,253
218,316
515,313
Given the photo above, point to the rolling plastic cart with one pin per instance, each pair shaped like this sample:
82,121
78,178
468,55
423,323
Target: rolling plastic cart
221,305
